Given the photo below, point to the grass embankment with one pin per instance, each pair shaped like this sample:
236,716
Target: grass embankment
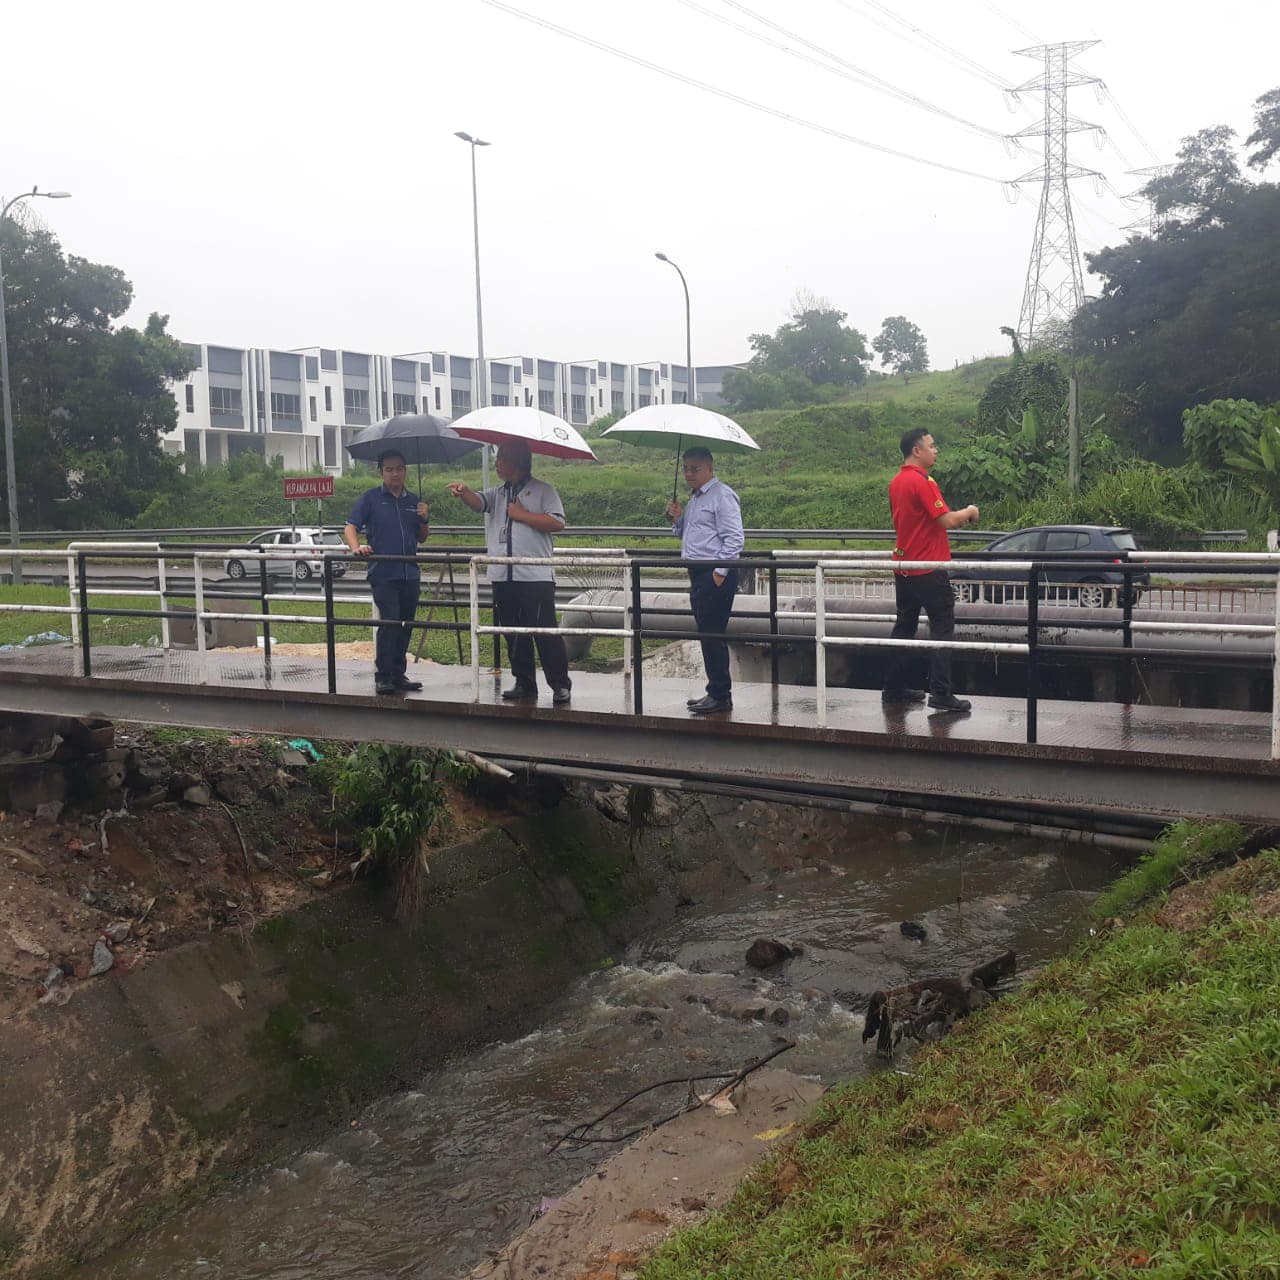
1118,1118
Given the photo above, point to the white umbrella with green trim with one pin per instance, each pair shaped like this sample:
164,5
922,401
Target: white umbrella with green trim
660,426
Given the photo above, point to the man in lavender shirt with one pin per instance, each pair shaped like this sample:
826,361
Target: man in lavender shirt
710,529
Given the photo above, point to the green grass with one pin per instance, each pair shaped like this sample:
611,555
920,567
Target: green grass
1117,1119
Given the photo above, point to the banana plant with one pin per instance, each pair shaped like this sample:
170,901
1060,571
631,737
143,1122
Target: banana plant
1258,462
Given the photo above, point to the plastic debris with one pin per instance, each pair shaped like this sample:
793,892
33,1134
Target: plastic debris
307,747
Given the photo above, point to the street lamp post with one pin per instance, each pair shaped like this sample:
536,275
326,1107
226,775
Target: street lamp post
482,383
11,475
691,387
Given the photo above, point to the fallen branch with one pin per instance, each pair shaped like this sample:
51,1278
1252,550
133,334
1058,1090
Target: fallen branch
692,1103
244,849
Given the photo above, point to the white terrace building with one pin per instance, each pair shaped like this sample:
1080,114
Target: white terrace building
305,405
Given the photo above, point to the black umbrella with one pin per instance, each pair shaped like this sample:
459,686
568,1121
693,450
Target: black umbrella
419,436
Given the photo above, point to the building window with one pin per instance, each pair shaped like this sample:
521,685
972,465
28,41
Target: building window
527,365
461,401
515,373
225,400
311,404
191,445
602,369
354,400
679,397
331,446
600,402
403,403
328,399
437,399
664,370
593,377
617,403
645,401
329,360
424,371
437,363
499,399
191,398
313,369
579,408
286,406
646,377
547,401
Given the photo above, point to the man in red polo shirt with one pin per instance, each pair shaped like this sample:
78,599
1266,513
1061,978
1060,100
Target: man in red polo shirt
921,519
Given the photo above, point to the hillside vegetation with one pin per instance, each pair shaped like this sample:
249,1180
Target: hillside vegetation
819,467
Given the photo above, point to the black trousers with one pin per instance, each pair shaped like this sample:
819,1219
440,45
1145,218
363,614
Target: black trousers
531,604
397,601
712,606
931,592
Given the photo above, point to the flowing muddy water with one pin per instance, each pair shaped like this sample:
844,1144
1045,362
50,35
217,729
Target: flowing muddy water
426,1182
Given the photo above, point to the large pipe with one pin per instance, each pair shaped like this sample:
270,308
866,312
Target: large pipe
1068,835
987,623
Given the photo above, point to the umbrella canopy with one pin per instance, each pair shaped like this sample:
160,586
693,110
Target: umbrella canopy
419,436
664,425
544,433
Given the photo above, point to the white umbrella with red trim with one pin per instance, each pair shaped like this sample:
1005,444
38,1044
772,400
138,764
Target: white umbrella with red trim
544,433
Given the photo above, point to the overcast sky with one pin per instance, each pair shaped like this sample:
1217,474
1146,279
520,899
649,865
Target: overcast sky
285,174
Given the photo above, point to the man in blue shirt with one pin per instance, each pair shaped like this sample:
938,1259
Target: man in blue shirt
710,529
394,522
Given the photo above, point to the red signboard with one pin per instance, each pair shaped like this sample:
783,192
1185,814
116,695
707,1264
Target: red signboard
308,487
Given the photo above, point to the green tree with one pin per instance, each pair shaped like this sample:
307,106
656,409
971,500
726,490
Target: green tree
1187,317
1207,173
1266,131
90,400
814,343
901,346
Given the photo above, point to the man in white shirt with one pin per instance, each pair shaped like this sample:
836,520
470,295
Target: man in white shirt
520,517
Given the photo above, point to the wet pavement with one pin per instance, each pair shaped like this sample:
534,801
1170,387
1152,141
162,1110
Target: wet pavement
1178,734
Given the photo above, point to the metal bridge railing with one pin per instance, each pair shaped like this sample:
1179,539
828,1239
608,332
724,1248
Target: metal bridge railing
637,617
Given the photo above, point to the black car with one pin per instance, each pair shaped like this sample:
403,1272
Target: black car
1094,584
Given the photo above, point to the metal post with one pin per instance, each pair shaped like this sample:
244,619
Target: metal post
1127,669
82,580
10,468
266,609
691,388
1275,683
162,582
637,651
1033,672
628,639
482,382
773,625
820,643
473,592
330,631
72,598
197,563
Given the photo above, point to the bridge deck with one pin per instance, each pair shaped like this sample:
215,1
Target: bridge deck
1096,757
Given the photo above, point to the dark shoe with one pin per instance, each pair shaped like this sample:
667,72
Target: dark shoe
519,691
911,696
405,685
381,688
561,695
949,702
693,702
705,706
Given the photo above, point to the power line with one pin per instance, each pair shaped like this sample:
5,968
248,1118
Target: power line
1013,22
859,73
962,60
1133,129
730,96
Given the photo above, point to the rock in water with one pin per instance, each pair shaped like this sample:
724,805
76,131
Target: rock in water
764,953
910,929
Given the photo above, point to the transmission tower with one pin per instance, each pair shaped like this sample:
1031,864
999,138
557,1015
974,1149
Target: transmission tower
1055,282
1155,220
